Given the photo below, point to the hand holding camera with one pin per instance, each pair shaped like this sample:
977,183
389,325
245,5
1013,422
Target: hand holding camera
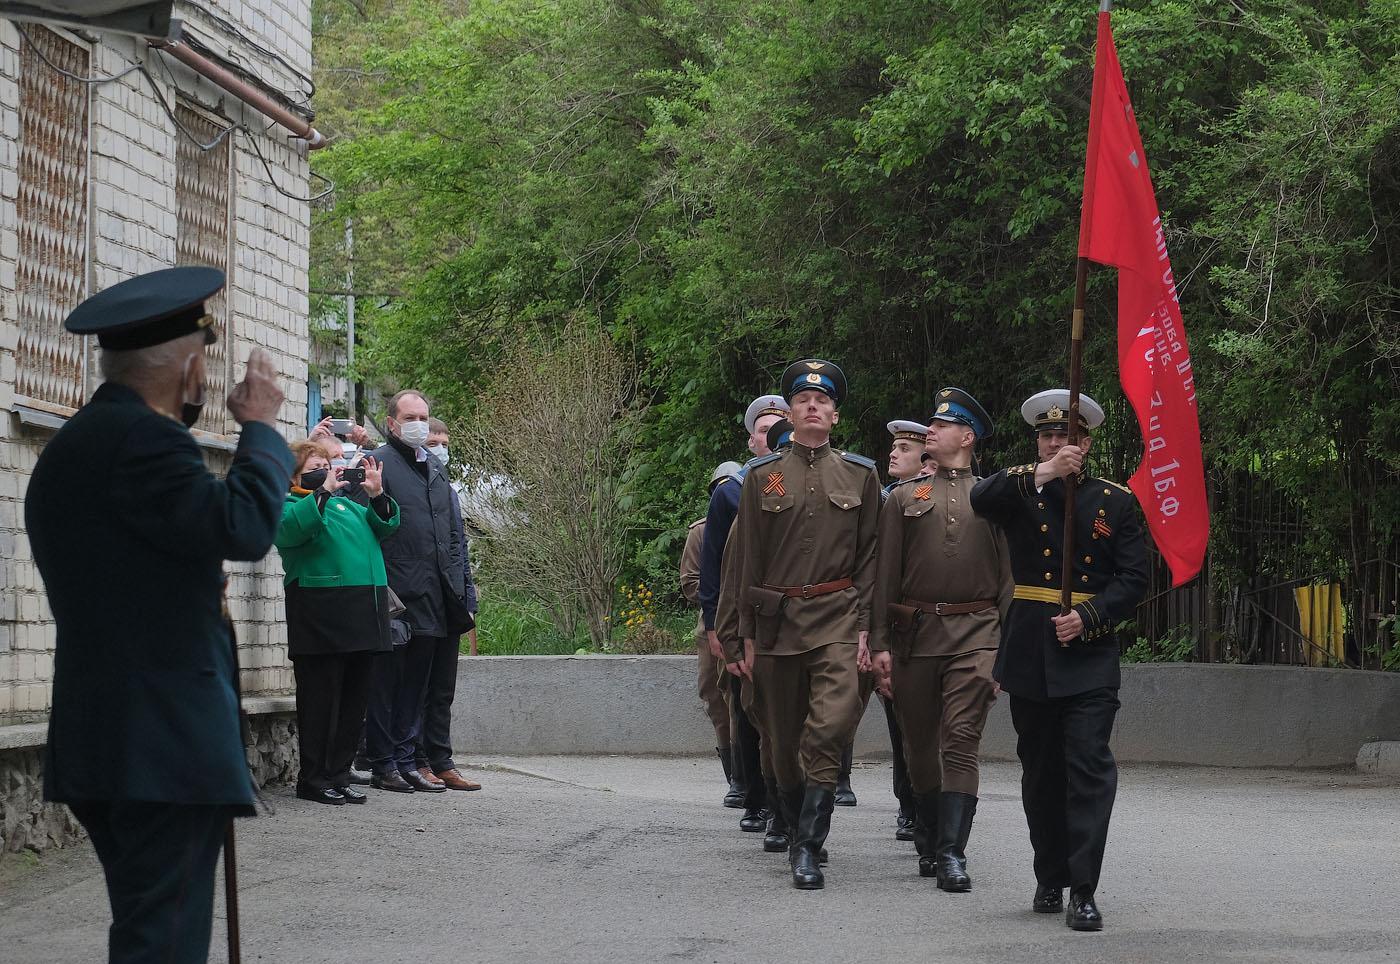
372,477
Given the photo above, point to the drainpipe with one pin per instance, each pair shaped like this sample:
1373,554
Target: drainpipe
243,90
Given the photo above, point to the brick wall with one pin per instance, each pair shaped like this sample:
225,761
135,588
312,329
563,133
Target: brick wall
131,226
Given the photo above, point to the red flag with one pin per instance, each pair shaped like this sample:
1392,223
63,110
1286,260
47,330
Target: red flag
1121,227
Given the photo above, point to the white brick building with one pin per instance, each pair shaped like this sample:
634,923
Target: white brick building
96,185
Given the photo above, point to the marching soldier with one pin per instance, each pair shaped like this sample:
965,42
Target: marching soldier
724,503
905,462
1061,671
712,678
805,538
943,580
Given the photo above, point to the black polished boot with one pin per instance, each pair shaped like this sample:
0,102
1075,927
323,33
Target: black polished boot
813,824
754,820
1048,900
904,823
1082,914
734,796
926,832
955,812
845,796
777,840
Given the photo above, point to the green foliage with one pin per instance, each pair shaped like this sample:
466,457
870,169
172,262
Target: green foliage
892,184
1178,646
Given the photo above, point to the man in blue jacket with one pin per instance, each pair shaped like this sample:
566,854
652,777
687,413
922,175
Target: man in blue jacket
144,741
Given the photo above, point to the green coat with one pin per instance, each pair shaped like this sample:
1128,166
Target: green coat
336,586
130,530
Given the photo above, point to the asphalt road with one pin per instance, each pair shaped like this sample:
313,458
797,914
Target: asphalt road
618,859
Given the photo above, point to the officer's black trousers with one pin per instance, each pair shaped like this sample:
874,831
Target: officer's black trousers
747,764
159,861
903,790
332,694
1068,782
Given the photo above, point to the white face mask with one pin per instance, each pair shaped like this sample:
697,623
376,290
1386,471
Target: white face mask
440,451
413,433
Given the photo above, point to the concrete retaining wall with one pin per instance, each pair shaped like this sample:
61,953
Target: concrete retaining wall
1204,714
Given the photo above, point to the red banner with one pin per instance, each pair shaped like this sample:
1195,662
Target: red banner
1121,227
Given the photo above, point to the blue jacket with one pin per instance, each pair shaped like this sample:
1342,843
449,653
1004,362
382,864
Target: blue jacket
724,506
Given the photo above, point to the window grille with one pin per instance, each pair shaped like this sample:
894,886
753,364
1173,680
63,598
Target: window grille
202,237
52,210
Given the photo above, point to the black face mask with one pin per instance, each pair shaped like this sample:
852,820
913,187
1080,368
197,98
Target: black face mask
313,480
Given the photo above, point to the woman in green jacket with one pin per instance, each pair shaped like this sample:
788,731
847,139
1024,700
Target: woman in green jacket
337,613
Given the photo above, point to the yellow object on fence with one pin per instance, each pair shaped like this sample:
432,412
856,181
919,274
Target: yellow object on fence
1322,620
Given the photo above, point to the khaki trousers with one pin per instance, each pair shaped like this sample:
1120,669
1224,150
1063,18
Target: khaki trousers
808,705
712,690
942,704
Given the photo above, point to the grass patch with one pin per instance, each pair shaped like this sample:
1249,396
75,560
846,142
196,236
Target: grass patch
509,625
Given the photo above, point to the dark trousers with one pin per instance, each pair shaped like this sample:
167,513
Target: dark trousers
434,747
159,861
400,680
748,769
332,695
1068,782
903,790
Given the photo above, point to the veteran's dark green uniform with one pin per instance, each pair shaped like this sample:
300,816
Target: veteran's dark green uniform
129,531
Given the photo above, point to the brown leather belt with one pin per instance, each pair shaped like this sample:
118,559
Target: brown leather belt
952,609
812,589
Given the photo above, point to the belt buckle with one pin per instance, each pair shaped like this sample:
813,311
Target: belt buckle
938,609
807,590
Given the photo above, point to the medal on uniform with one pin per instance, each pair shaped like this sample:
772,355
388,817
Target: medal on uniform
922,492
775,484
1101,529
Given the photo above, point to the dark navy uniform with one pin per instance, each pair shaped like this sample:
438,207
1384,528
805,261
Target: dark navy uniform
1064,698
129,531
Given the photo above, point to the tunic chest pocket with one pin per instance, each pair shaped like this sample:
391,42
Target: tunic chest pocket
915,509
845,500
777,503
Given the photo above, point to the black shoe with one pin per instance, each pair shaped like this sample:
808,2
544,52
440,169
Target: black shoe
360,778
420,783
904,827
352,795
754,820
955,812
1082,914
320,795
845,796
1048,900
393,780
813,824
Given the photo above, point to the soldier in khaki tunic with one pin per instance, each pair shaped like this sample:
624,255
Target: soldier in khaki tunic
942,583
806,541
712,676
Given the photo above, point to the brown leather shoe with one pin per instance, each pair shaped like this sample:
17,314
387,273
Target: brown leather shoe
455,781
428,775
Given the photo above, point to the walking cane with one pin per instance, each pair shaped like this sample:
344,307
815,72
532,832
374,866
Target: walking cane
231,894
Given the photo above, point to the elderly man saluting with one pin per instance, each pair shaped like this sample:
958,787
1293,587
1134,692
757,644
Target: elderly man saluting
144,742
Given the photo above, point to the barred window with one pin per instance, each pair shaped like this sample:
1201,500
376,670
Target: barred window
202,191
52,208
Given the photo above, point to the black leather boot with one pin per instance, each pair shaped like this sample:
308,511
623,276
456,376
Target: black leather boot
1082,914
904,823
926,832
1048,900
734,796
955,812
776,840
845,796
813,824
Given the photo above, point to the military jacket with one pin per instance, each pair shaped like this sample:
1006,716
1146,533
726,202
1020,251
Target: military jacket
807,516
1109,579
145,689
934,549
724,505
690,569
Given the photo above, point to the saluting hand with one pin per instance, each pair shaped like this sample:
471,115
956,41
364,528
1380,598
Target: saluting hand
259,396
374,478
